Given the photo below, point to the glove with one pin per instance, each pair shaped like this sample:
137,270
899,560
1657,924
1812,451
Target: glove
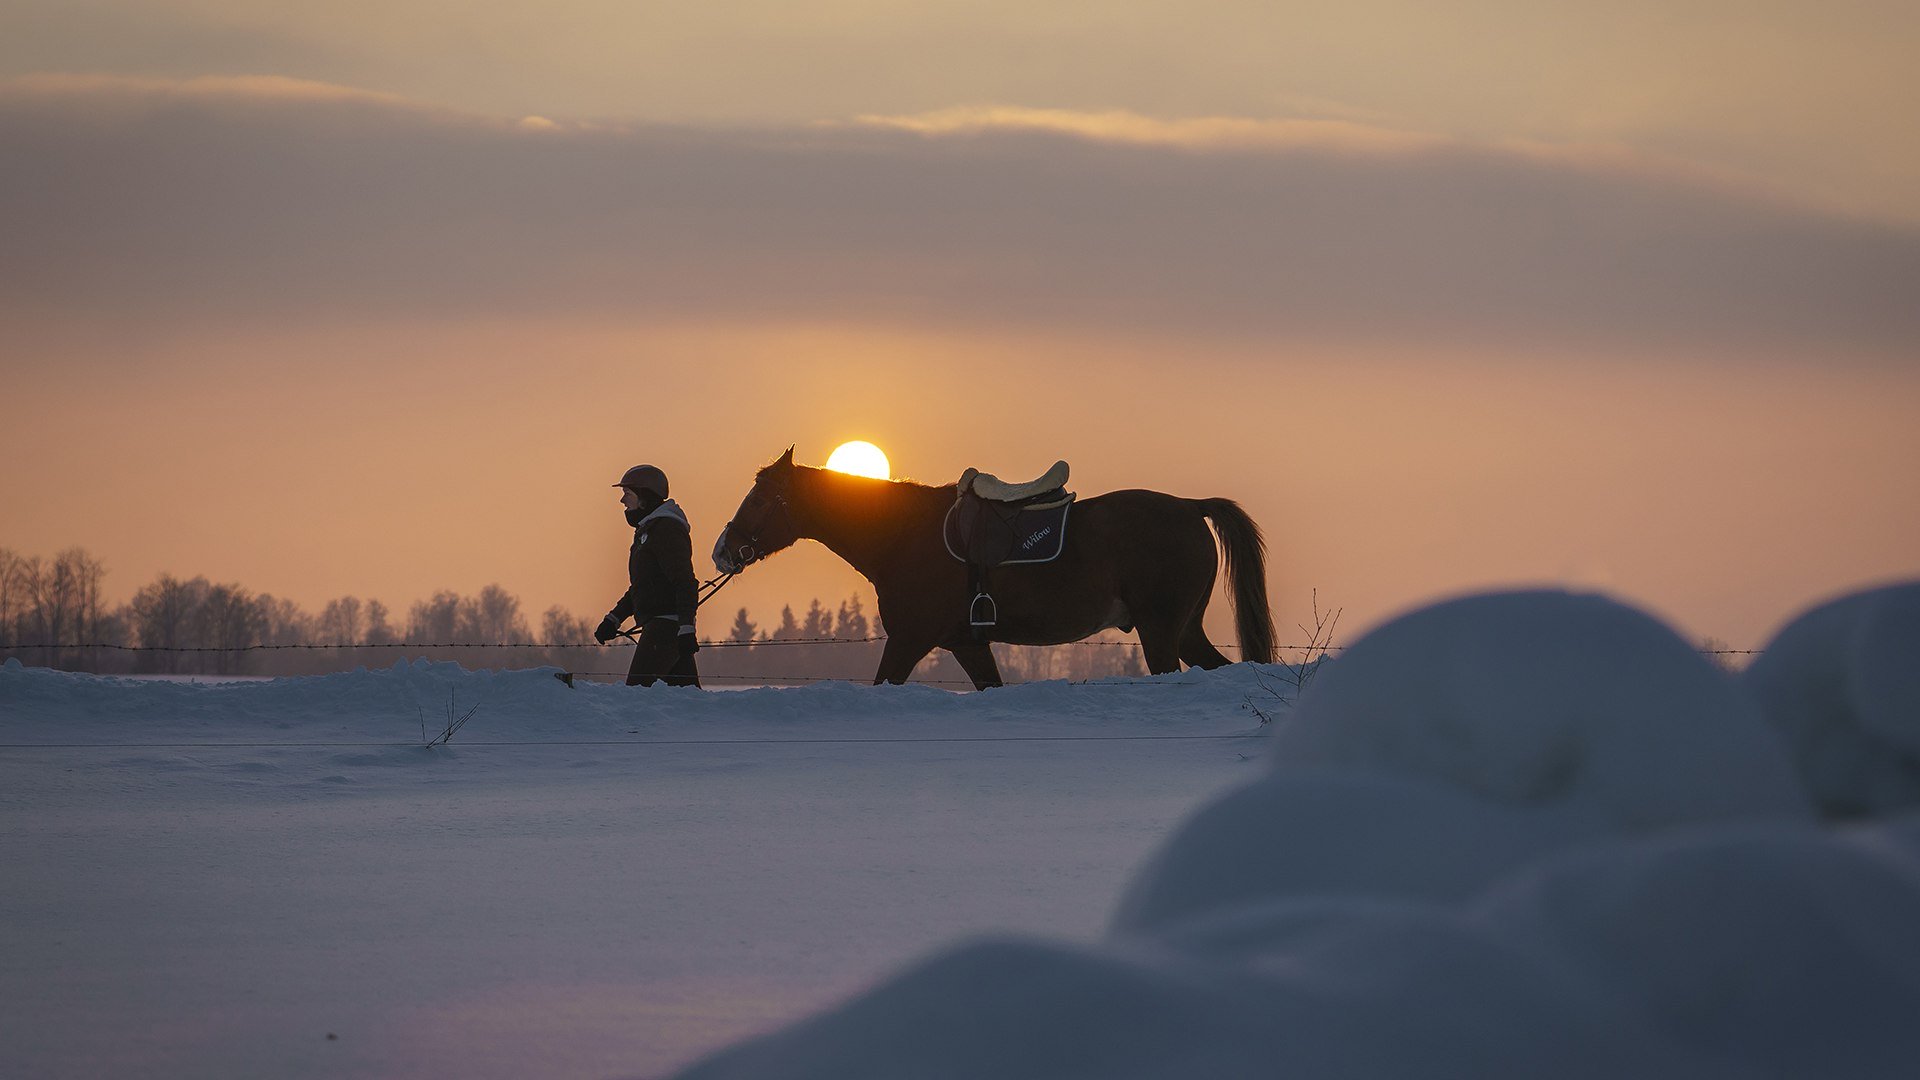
689,641
608,629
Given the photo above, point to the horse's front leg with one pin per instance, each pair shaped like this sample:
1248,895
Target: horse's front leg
977,661
902,653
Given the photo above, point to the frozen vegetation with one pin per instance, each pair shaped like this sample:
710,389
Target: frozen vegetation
1529,834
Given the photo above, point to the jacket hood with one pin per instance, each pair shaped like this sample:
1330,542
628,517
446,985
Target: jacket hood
668,509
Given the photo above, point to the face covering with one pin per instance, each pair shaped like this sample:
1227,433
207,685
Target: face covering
648,504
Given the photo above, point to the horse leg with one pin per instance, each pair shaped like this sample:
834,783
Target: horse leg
977,661
1196,650
1160,644
899,657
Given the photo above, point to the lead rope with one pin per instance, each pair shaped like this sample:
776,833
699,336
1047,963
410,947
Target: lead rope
709,588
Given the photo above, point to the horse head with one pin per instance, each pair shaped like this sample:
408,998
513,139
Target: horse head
764,522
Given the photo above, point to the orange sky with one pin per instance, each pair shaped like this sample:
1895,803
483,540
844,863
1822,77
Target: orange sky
314,300
452,457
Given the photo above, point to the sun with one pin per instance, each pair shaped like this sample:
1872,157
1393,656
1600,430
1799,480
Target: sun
860,459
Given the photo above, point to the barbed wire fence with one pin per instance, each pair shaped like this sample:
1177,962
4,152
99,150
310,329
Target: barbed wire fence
551,651
1297,660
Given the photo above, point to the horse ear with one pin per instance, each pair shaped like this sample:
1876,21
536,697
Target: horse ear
786,458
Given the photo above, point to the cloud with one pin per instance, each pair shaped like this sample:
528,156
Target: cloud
1200,133
125,89
281,199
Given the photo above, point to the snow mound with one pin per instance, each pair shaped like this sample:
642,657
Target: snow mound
1397,773
414,700
1543,698
1527,834
1842,683
1780,951
1740,951
1307,832
1025,1010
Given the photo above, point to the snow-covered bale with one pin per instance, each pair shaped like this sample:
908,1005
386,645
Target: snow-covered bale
1546,698
1842,683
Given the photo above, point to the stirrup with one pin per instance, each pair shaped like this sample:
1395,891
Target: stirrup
983,611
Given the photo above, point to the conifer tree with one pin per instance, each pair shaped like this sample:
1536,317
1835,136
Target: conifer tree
852,621
789,627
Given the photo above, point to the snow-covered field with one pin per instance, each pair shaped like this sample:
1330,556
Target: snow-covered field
210,880
1527,834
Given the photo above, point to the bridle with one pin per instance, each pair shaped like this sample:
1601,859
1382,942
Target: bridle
748,553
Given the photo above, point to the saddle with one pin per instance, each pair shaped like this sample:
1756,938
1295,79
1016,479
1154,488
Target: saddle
994,489
994,523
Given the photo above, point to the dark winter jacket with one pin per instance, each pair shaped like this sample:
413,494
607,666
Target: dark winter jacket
660,569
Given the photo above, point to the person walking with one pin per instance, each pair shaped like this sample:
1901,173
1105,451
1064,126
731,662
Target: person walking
661,596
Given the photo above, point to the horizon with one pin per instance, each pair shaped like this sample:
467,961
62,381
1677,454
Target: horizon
1746,611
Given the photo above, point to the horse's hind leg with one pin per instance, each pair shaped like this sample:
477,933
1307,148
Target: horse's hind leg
977,661
1196,650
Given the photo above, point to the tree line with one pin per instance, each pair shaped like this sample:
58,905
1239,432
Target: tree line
857,659
53,614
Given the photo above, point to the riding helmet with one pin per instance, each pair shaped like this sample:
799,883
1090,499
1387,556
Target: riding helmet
644,478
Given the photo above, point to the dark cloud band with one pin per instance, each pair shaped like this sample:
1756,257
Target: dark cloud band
290,204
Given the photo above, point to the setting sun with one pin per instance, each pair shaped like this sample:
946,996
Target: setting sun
860,459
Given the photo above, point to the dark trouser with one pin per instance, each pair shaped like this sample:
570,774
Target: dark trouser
658,656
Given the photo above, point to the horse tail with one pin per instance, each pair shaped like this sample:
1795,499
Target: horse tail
1246,557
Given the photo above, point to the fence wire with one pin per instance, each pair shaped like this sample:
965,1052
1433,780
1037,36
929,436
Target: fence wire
724,643
1309,654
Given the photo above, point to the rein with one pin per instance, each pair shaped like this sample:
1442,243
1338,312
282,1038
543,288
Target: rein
712,586
706,592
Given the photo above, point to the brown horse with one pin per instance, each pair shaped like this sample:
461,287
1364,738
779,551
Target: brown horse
1131,559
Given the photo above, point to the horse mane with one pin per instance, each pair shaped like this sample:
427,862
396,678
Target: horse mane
839,479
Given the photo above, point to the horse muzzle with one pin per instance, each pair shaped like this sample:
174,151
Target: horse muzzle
732,558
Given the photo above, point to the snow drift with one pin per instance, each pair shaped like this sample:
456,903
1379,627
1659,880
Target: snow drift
1842,683
1517,834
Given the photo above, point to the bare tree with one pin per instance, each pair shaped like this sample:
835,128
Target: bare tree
560,627
341,622
30,574
379,631
435,619
492,618
13,597
164,615
282,622
63,602
230,623
82,575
